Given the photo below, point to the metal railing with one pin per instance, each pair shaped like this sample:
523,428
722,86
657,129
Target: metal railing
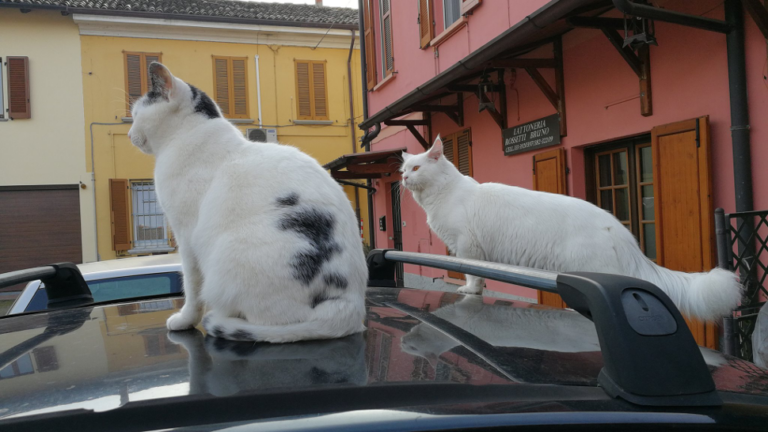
742,240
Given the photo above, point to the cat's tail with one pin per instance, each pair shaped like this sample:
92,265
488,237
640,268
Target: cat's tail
705,296
332,319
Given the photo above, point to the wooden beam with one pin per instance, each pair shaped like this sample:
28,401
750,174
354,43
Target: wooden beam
406,122
346,175
596,22
502,99
418,136
494,114
758,13
560,85
379,168
470,88
646,95
460,108
523,63
544,86
435,108
626,53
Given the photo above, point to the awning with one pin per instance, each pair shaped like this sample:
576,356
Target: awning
542,26
368,165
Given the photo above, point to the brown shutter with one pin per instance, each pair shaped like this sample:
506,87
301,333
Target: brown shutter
425,22
464,152
370,46
468,5
221,84
239,85
120,213
683,204
549,176
386,29
303,90
319,92
18,88
137,79
448,148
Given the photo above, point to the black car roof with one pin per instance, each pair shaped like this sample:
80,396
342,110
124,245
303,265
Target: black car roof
103,358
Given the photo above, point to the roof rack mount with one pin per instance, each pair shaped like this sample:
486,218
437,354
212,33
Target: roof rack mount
63,282
649,355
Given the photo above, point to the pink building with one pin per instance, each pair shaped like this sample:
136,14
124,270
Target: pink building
647,132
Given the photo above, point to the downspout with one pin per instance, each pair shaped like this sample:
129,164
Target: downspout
366,137
737,83
93,185
352,118
258,88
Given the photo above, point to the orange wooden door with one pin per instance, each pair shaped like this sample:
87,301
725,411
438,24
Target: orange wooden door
549,176
684,214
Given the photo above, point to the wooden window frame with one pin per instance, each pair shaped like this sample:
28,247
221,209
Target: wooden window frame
313,115
426,31
231,86
613,186
639,192
382,16
467,6
144,76
455,148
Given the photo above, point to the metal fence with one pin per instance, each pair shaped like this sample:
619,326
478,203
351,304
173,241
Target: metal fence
742,247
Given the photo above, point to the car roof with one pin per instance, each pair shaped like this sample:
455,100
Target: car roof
107,358
129,263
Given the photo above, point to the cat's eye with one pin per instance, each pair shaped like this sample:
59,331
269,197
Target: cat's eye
416,168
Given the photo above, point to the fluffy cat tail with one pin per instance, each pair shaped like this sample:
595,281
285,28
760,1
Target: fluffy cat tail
340,318
705,296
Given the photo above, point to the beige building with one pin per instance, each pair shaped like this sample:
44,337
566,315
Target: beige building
46,199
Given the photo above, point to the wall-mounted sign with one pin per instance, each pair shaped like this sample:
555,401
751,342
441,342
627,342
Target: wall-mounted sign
534,135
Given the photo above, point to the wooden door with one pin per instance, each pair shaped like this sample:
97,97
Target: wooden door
683,209
549,176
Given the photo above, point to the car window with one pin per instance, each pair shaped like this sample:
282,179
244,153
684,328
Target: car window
119,289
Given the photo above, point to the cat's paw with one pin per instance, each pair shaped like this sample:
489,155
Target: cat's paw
467,289
179,321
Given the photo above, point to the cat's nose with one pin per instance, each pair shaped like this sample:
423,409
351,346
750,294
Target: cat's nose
405,178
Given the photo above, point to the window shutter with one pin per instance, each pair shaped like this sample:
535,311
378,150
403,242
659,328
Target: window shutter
18,88
468,5
386,29
464,152
221,84
239,84
549,176
425,22
370,48
448,148
319,92
303,90
119,199
137,79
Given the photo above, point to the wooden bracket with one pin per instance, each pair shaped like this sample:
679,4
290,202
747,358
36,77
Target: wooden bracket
411,126
555,96
759,14
418,136
640,64
454,112
596,22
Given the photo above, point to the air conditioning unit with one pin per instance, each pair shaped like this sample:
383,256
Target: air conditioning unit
261,135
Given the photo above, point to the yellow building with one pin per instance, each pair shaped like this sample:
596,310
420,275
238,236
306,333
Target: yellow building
46,206
281,81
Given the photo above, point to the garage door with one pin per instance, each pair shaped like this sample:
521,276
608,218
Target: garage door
39,225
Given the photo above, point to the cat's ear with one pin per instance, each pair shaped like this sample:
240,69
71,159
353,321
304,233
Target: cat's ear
437,149
161,78
406,156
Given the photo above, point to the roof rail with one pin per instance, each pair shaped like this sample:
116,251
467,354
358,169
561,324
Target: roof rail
649,355
63,282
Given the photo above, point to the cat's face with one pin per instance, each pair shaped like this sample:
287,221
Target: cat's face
168,101
419,171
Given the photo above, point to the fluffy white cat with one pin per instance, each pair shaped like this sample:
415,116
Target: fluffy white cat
512,225
268,240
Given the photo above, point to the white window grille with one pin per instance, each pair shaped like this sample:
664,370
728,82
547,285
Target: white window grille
451,11
150,228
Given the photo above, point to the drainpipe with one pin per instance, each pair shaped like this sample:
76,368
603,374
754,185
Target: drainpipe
352,116
737,84
366,137
93,185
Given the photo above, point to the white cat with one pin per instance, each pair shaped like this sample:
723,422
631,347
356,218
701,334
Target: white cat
268,240
512,225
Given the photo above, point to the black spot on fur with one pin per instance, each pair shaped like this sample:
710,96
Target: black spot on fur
289,200
241,335
206,319
335,280
320,298
216,332
204,104
317,226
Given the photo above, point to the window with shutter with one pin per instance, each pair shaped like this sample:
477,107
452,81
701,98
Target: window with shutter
457,148
120,216
311,90
230,86
18,88
425,22
370,48
137,81
388,59
2,98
